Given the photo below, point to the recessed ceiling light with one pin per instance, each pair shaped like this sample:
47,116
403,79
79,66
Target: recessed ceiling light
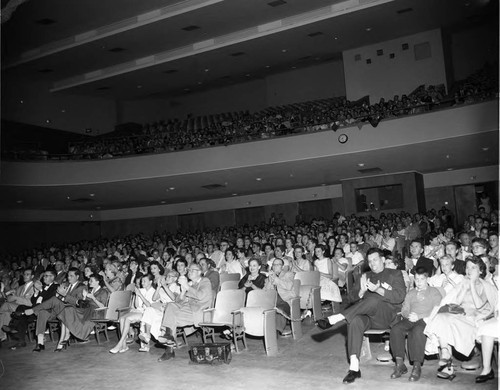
284,51
190,28
162,202
446,203
267,67
323,184
447,156
450,169
91,195
473,177
139,86
486,148
247,75
63,110
294,67
200,82
19,201
291,174
206,70
21,101
48,121
361,165
335,38
171,188
68,197
234,194
368,29
258,178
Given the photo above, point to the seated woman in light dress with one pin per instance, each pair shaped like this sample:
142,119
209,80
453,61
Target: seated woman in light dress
329,289
232,266
448,279
167,291
478,299
143,299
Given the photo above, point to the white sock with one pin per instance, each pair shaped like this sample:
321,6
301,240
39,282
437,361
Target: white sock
354,366
335,318
41,339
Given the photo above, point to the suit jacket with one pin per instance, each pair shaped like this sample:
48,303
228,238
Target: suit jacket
283,284
424,262
22,297
75,294
200,297
45,294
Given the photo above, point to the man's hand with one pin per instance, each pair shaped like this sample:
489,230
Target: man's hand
413,317
62,291
372,287
38,285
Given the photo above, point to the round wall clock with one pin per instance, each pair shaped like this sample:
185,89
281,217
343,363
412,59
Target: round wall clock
343,138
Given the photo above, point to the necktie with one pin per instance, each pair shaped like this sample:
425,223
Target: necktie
69,289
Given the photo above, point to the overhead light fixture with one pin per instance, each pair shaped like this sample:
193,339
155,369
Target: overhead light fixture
283,50
450,169
247,75
361,165
335,38
92,195
486,148
258,178
447,156
68,197
267,67
234,194
19,201
206,70
368,29
171,188
162,202
21,101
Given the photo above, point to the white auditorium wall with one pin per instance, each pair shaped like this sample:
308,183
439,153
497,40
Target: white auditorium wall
385,77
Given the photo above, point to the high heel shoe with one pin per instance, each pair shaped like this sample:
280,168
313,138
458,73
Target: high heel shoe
62,345
485,377
446,371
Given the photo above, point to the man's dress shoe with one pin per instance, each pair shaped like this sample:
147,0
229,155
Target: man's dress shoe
352,376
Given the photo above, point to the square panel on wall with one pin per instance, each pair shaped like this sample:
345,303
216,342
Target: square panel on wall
422,51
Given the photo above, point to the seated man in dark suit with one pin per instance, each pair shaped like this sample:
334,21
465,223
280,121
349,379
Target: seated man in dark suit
48,310
417,259
187,309
382,291
43,292
209,271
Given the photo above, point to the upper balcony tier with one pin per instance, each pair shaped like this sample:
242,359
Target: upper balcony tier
455,138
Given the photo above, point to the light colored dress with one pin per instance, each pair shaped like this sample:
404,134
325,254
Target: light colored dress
329,289
154,313
459,330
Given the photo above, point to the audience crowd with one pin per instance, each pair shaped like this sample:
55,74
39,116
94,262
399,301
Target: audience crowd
225,129
440,270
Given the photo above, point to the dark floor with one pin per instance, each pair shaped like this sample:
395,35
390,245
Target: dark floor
301,364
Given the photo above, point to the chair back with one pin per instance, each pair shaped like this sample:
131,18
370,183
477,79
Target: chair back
227,302
308,278
296,287
226,276
117,300
265,299
229,285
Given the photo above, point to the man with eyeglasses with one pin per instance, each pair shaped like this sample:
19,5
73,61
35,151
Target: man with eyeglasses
195,296
19,325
